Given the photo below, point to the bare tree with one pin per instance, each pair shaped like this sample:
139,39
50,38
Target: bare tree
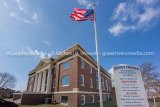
156,85
150,77
148,73
7,80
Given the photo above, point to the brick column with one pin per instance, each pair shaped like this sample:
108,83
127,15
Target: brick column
57,78
35,83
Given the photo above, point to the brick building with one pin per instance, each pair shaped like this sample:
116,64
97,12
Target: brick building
70,79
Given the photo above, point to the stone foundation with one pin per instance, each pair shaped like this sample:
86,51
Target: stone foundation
35,98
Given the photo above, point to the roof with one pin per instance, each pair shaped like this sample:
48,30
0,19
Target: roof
41,64
62,55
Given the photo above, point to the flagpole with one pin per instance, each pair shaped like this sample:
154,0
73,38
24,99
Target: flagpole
97,55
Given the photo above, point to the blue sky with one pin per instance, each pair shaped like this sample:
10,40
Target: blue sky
44,26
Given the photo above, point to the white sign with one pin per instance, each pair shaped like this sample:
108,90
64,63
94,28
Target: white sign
130,91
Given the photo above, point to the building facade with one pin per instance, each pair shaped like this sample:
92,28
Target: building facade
70,79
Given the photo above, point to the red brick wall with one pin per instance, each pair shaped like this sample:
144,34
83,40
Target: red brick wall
72,72
72,99
87,75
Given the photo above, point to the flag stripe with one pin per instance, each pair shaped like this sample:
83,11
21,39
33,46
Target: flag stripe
82,14
82,11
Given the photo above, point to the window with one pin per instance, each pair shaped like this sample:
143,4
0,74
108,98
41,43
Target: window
96,76
91,69
97,81
108,81
64,99
97,84
92,99
66,65
91,83
82,80
109,88
103,87
65,80
104,98
107,97
98,98
81,63
82,99
106,85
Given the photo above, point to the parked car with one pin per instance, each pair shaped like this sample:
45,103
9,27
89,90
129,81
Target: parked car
4,103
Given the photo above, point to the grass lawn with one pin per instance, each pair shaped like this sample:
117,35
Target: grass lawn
43,105
106,104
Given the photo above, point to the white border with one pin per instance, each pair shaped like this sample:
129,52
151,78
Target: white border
84,98
83,80
93,98
80,92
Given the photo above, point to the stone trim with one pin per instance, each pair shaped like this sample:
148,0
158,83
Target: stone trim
78,92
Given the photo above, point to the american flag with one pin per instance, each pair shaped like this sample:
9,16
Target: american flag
82,14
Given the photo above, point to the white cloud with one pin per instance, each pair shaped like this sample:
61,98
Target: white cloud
21,19
14,15
39,54
35,17
21,14
146,1
112,76
49,55
27,21
148,15
110,71
36,53
46,42
121,8
119,28
134,15
89,6
5,4
19,5
85,3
